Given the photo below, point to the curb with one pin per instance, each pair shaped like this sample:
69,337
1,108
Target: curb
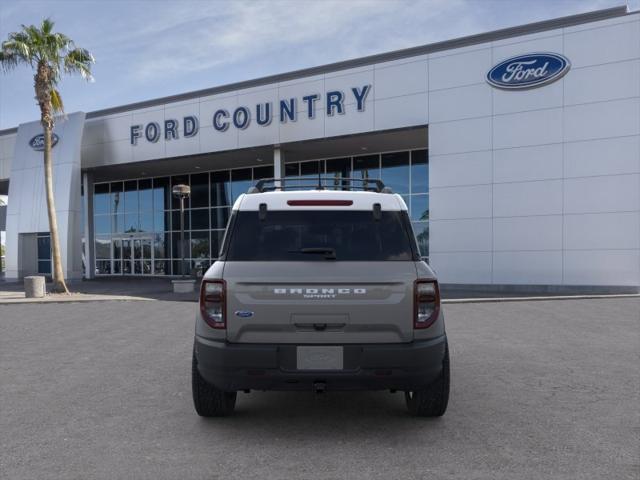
537,299
45,300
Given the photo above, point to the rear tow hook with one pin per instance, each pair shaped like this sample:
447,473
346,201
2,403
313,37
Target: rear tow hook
319,387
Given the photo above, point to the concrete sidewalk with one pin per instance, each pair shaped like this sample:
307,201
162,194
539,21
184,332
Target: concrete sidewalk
103,289
19,297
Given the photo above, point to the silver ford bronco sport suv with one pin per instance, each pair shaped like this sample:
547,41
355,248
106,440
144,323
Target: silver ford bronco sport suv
320,289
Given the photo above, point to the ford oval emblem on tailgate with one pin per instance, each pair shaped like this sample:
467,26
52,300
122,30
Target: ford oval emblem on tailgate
244,313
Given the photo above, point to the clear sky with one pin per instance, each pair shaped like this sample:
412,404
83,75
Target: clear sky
151,48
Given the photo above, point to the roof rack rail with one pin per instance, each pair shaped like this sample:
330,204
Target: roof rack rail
319,183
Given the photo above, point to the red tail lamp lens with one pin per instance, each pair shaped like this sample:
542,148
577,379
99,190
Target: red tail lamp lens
212,303
426,303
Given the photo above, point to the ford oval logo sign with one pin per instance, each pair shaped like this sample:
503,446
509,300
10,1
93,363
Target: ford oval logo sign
528,71
37,142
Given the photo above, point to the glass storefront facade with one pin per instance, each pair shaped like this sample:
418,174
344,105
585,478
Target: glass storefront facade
137,222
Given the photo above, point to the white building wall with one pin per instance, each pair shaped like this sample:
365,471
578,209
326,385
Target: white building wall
7,146
538,186
397,99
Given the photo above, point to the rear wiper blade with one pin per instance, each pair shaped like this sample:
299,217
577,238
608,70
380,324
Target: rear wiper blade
329,253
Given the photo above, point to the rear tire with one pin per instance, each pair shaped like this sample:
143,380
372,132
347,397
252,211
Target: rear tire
432,400
208,400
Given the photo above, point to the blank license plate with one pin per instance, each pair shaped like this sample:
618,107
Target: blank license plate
320,358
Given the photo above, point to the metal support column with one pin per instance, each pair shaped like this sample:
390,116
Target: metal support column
87,212
278,164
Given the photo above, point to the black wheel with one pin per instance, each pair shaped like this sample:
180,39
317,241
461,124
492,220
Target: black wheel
209,400
432,400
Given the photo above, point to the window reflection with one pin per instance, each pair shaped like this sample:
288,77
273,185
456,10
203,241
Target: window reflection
366,167
420,207
160,221
339,168
145,195
419,171
219,217
216,242
311,171
175,220
161,194
117,249
200,219
131,196
131,224
220,189
117,199
395,171
103,267
421,230
117,223
101,198
145,222
200,245
160,245
176,245
101,224
291,170
240,182
262,172
103,247
200,190
44,247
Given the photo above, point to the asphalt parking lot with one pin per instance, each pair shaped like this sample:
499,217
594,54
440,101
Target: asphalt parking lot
540,389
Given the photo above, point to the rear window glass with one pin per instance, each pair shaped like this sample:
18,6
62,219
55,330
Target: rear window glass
320,236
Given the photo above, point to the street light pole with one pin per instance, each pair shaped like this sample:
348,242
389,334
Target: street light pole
181,192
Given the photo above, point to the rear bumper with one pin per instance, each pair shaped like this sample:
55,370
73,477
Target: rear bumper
404,366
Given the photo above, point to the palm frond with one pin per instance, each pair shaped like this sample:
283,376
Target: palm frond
79,60
8,60
20,46
32,36
47,26
56,101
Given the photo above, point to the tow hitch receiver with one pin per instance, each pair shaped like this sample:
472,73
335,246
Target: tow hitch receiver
319,387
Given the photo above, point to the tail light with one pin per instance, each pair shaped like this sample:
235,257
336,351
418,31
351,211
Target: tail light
426,303
212,303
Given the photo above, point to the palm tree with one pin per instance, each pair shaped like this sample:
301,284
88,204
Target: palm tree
50,55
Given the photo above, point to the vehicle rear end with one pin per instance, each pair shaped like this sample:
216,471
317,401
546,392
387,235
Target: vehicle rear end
320,290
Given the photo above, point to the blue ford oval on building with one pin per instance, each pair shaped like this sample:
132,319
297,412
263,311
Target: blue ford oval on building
37,142
528,71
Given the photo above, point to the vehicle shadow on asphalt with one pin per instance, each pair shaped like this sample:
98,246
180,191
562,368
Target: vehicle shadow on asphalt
295,414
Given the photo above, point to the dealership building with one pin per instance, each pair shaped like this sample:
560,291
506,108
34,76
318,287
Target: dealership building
516,151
